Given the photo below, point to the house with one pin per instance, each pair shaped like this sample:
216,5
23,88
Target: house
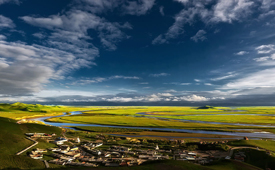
66,158
55,149
75,148
192,153
189,158
73,154
77,140
96,152
64,149
35,155
59,142
37,150
157,147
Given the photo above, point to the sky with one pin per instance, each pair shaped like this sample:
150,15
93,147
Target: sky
138,52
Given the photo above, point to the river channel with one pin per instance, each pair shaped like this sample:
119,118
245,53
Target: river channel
234,135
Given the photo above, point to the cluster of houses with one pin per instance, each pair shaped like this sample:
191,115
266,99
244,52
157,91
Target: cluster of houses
239,156
37,153
40,135
88,153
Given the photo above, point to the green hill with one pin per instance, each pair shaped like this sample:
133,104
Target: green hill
12,140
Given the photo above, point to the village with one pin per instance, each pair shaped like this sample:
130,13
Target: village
134,152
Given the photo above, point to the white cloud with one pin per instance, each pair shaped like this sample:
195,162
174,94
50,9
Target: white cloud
263,78
230,75
185,16
127,90
159,75
124,77
161,10
260,59
2,37
194,98
177,83
171,91
182,1
266,60
39,35
200,35
52,22
165,94
265,49
230,10
241,53
210,12
102,79
19,61
9,1
197,80
185,84
139,7
6,22
208,84
72,27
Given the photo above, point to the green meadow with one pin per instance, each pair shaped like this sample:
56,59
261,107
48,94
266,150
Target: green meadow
21,110
139,122
12,138
229,118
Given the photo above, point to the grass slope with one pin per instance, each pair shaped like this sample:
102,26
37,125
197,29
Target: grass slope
269,145
12,140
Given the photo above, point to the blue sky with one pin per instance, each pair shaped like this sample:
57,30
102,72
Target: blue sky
143,52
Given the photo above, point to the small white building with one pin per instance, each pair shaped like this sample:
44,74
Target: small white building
157,147
77,140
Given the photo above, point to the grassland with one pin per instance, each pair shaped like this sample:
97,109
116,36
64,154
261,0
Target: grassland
146,133
248,119
12,138
269,145
130,110
21,110
139,122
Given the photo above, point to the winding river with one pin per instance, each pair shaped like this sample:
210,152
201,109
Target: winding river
232,135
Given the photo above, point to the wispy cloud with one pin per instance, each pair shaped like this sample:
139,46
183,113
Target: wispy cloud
265,49
241,53
259,79
219,11
197,80
6,22
138,8
103,79
265,58
9,1
200,36
159,75
230,75
124,77
161,10
178,83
